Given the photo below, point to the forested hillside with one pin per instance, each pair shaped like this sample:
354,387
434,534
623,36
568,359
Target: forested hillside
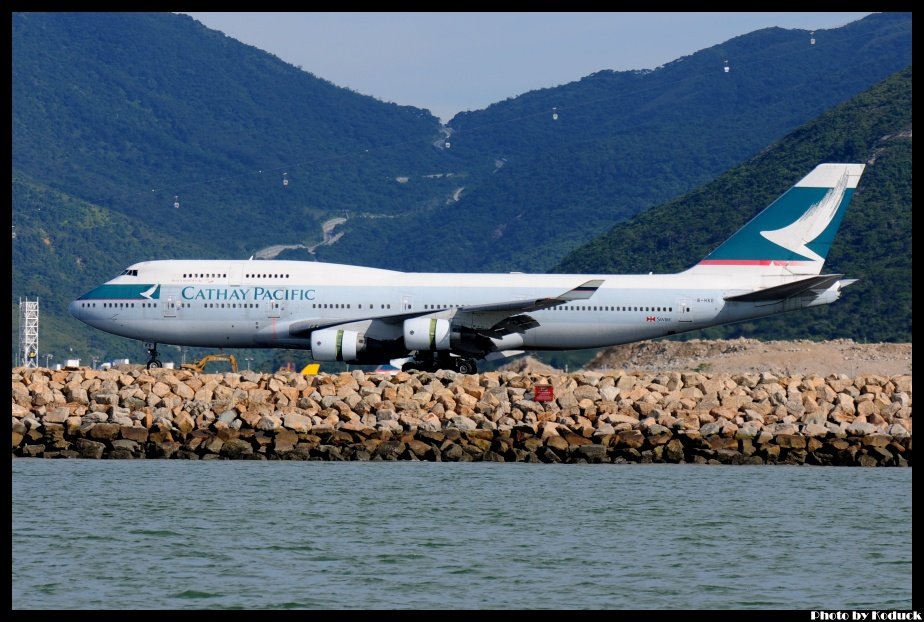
873,244
623,142
129,110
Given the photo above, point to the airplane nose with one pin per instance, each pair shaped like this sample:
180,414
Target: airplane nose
74,309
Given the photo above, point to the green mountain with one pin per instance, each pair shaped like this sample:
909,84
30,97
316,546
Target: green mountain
129,110
623,142
873,244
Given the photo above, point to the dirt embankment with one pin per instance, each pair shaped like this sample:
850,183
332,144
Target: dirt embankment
840,356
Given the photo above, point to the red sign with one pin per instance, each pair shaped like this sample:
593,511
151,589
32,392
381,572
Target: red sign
650,318
543,393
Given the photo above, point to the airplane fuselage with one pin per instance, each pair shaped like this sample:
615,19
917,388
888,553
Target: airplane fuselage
245,304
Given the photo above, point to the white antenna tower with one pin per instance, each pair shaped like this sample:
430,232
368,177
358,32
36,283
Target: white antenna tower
28,332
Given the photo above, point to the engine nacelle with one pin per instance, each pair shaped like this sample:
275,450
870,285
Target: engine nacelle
336,345
427,334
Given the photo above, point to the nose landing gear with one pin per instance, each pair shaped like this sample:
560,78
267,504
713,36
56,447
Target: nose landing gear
153,361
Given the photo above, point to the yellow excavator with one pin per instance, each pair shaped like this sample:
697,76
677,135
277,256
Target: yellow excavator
309,370
200,366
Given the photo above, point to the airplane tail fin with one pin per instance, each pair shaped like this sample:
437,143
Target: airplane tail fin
793,235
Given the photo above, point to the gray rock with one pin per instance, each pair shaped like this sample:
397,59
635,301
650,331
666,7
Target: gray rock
814,429
228,416
386,414
816,418
236,448
292,421
586,392
673,451
591,453
781,428
547,454
90,449
749,430
861,428
125,444
462,423
882,455
60,415
390,449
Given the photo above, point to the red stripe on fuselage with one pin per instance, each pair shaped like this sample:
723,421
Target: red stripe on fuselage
749,262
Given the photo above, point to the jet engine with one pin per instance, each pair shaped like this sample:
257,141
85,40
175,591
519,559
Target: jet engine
427,334
336,345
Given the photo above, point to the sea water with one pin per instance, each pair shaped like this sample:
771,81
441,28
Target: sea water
173,534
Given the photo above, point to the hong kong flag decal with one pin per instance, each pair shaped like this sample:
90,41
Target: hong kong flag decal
650,318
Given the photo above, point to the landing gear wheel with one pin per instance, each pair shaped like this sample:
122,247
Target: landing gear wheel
153,361
409,366
466,366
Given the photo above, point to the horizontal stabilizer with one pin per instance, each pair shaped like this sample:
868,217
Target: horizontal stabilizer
788,290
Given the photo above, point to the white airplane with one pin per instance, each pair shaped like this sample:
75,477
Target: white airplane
372,316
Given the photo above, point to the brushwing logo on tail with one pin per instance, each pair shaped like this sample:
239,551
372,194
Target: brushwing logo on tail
795,236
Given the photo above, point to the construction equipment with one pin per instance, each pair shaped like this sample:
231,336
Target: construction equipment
311,369
200,366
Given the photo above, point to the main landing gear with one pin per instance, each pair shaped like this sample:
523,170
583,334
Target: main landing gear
153,361
442,361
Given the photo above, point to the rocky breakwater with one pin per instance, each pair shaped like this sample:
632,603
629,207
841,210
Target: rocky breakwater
612,417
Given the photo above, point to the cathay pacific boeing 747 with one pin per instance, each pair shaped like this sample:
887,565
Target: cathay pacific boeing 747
372,316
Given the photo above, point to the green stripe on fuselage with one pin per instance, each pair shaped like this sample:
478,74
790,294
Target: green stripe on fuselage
123,292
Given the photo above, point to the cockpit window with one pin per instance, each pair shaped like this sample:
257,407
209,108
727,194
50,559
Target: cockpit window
129,273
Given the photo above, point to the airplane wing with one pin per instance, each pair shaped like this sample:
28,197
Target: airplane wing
581,292
493,320
788,290
499,319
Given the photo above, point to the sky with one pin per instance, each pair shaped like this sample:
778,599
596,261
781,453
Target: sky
452,62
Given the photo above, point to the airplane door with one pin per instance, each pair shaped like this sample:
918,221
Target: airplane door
684,310
170,306
275,308
407,303
235,274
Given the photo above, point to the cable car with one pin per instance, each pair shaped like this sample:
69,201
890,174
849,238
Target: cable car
176,201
